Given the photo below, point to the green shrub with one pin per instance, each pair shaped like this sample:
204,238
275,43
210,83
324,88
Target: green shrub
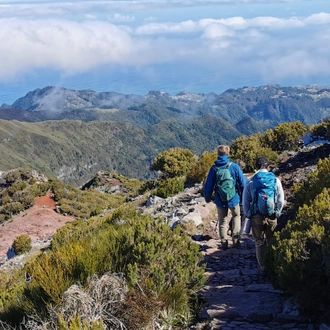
19,195
174,162
12,208
306,192
201,168
321,130
300,255
249,149
80,203
22,244
147,186
286,136
164,263
170,187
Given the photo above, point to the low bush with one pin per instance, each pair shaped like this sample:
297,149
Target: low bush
170,187
285,136
174,162
164,264
201,168
249,149
306,192
22,244
82,204
300,255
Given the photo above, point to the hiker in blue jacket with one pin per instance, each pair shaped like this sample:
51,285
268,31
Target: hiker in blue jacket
238,178
263,226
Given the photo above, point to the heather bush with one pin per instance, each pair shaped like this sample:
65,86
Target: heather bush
300,255
249,149
321,130
200,169
286,136
306,192
11,283
164,264
82,204
19,192
169,187
22,244
20,174
174,162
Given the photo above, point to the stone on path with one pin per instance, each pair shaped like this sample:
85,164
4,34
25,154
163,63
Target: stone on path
238,296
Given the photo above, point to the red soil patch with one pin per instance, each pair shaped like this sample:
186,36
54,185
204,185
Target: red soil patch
40,222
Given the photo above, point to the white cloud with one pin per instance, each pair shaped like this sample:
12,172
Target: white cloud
320,18
61,45
264,44
165,28
235,23
118,18
215,30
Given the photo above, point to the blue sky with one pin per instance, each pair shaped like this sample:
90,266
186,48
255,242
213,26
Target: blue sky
167,45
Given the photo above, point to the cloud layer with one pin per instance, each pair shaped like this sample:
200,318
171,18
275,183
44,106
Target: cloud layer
267,46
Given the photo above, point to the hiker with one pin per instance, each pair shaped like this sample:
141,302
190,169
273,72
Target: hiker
226,194
263,201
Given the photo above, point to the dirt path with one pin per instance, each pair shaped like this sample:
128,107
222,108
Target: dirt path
238,296
40,222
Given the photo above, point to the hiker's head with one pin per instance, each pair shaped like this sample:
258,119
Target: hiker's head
262,163
240,163
223,150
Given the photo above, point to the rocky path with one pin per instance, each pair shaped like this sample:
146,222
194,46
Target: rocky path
238,296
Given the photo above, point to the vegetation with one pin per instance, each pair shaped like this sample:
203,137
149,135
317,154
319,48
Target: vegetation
249,149
128,270
82,203
286,136
125,135
22,244
173,162
164,264
200,169
19,189
169,187
300,254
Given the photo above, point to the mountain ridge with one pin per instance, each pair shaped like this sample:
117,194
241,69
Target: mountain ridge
73,134
269,105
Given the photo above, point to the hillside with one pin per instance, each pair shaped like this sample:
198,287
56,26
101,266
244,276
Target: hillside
268,105
74,151
235,295
72,134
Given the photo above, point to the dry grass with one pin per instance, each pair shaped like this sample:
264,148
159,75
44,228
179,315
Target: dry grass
98,302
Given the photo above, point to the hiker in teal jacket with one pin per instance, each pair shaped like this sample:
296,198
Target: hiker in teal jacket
263,226
222,206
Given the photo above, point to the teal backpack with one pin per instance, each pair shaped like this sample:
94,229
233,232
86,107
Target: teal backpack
264,193
224,187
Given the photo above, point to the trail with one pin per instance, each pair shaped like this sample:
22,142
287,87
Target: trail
238,296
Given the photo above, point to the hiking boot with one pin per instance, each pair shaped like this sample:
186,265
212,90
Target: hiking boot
224,245
236,242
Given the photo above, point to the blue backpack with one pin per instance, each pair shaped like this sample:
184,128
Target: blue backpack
264,193
224,187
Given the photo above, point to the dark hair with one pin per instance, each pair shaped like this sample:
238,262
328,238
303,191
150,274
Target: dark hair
262,162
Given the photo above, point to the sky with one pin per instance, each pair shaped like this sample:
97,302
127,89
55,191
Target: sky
134,47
